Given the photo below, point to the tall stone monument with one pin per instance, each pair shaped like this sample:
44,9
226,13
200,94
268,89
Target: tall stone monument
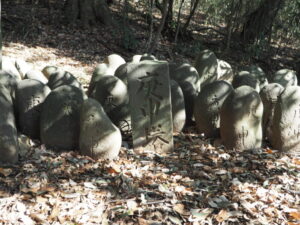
150,106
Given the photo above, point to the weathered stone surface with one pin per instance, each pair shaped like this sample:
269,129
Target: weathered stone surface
245,78
286,122
99,137
259,74
9,81
269,96
112,93
285,77
9,147
206,64
114,61
150,106
100,71
8,65
224,71
207,107
136,58
148,57
36,75
60,78
241,119
22,66
30,94
122,72
178,107
48,70
188,79
60,117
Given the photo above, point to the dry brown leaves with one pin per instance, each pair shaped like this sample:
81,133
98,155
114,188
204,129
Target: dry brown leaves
196,184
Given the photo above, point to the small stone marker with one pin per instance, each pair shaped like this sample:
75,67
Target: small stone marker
224,71
60,117
207,107
48,70
188,79
207,65
99,137
36,75
8,65
178,107
60,78
9,81
148,57
122,72
23,67
30,94
150,106
136,58
286,122
245,78
259,74
100,71
241,119
285,77
112,93
269,96
9,147
114,61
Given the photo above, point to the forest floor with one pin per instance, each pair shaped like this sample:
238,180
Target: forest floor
196,184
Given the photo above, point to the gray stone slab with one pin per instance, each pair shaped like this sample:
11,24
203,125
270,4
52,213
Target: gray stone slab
286,122
224,71
36,75
206,65
60,78
245,78
241,119
48,70
9,147
30,95
150,106
178,107
207,107
114,61
285,77
269,96
112,93
99,137
259,74
60,117
8,65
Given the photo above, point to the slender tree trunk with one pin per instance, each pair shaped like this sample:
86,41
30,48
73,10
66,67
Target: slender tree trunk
260,21
187,23
178,21
160,28
169,17
151,24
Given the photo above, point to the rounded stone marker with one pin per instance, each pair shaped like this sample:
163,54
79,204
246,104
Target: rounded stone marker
9,81
23,67
245,78
178,107
188,79
121,73
8,65
207,107
9,147
113,96
258,74
136,58
285,77
206,64
100,71
148,57
30,94
286,122
99,137
60,78
48,70
60,116
269,96
114,61
224,71
241,119
36,75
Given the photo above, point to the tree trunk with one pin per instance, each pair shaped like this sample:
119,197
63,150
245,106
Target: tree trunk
169,18
0,38
160,28
187,23
178,22
260,22
88,12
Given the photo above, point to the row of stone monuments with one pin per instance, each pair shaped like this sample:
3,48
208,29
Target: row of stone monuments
148,99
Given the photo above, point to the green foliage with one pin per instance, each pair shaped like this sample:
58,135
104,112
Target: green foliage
191,49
